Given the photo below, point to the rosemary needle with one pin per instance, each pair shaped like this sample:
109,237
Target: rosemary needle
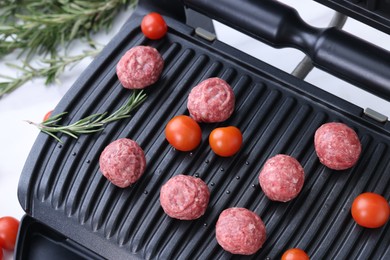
90,124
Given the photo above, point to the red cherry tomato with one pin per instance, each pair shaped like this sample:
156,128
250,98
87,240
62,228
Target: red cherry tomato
183,133
47,115
225,141
8,232
370,210
1,254
154,26
295,254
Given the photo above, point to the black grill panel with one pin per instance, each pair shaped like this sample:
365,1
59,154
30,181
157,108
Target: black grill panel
276,116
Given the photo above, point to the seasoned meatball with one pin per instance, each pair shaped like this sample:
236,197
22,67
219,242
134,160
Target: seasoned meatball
281,178
122,162
211,101
139,67
337,146
184,197
240,231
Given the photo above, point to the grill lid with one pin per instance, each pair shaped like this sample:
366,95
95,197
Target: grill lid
375,13
330,49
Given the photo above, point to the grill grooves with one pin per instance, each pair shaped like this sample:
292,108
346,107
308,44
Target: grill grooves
92,100
108,129
48,180
157,122
273,117
91,142
201,61
288,220
334,216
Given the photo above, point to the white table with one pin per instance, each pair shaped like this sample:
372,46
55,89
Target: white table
34,99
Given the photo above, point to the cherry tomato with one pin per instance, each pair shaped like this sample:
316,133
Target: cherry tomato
370,210
154,26
1,254
8,232
225,141
47,115
183,133
295,254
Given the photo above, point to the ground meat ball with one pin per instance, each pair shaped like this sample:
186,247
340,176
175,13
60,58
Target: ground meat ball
281,178
122,162
184,197
140,67
240,231
211,101
337,146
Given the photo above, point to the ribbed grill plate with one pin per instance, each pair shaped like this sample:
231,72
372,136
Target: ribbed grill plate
61,184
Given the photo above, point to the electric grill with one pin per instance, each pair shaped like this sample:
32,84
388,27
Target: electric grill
73,212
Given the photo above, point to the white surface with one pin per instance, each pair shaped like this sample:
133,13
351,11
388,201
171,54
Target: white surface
34,99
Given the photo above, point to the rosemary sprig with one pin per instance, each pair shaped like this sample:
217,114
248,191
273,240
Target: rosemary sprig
40,27
44,29
51,72
90,124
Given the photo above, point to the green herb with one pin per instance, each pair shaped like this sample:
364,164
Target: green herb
37,26
45,28
90,124
51,72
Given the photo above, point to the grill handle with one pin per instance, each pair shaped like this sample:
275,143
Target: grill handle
337,52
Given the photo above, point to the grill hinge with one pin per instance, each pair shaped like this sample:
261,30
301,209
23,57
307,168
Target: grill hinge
375,115
205,34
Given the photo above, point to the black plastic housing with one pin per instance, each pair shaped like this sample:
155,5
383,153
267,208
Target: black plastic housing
375,13
330,49
62,188
37,241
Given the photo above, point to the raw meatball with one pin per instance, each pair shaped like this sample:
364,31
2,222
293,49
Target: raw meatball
337,146
122,162
184,197
211,101
240,231
140,67
281,178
